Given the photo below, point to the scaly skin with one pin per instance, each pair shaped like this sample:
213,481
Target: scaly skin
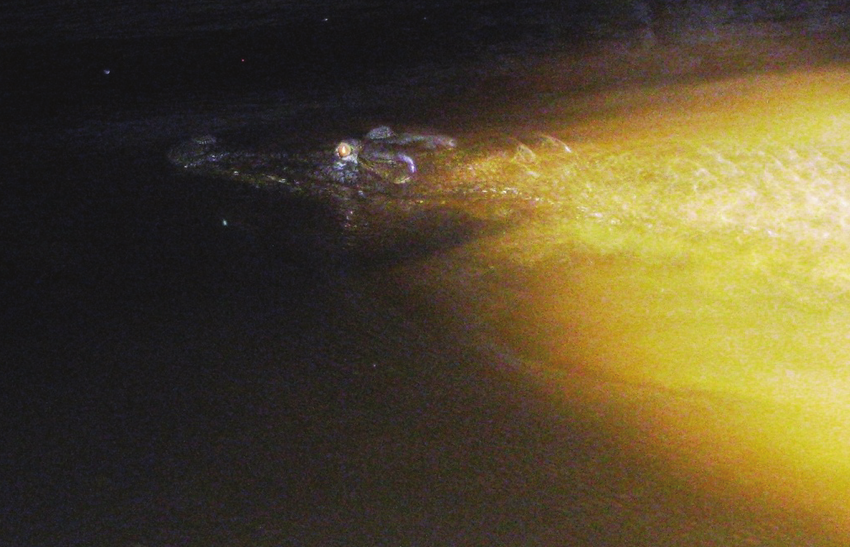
369,185
379,161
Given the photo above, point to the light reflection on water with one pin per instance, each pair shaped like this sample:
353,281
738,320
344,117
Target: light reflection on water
722,353
686,352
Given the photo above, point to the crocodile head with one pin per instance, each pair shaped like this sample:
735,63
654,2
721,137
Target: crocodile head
381,159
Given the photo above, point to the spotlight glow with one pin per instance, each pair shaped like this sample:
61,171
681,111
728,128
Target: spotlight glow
690,284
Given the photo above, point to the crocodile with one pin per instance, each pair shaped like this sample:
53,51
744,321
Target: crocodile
379,161
387,188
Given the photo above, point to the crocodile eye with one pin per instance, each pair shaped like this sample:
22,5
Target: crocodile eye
343,149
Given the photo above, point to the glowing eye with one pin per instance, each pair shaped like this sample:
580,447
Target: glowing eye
343,150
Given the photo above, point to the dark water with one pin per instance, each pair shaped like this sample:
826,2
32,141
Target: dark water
170,380
174,381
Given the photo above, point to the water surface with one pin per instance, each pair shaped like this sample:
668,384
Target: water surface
582,377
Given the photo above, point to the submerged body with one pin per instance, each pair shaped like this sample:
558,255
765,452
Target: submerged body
386,189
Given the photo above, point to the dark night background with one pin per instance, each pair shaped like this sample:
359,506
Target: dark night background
170,381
